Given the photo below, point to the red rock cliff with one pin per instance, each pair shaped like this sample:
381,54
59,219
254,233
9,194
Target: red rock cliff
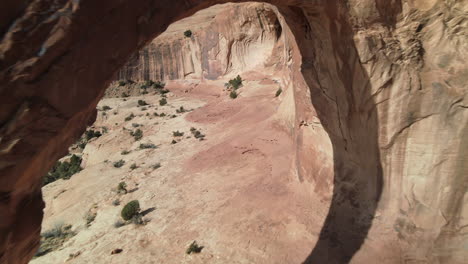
386,81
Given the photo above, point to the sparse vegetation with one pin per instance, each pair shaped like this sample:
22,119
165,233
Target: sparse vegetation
156,166
122,188
147,146
130,210
142,103
54,238
174,142
233,94
137,134
144,109
124,94
197,134
119,163
122,83
235,83
181,110
106,107
135,125
91,215
162,102
278,92
129,117
159,85
125,152
177,133
162,115
188,33
116,202
63,170
194,248
133,166
92,134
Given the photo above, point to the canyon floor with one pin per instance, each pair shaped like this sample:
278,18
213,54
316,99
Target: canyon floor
233,192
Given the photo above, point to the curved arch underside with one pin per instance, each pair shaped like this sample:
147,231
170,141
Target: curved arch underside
386,79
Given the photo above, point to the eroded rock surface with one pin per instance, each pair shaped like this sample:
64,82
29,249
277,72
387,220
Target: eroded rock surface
382,82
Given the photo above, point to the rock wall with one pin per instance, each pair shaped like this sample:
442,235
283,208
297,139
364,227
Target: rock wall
226,39
383,81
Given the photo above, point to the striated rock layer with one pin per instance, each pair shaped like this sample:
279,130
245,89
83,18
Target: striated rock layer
383,81
226,39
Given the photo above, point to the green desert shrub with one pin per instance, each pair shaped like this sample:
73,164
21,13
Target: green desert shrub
142,103
63,170
188,33
278,92
106,107
197,134
133,166
159,85
235,83
233,94
147,146
130,210
177,133
92,134
137,134
54,238
90,216
129,117
119,163
181,110
125,152
122,83
194,248
122,187
163,101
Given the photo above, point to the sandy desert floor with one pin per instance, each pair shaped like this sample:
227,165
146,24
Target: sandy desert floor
233,192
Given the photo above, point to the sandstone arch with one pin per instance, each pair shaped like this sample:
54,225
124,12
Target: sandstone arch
371,67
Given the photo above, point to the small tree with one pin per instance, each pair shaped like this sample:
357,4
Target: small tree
130,210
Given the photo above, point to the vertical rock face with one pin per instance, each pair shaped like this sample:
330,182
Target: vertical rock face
384,81
225,39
